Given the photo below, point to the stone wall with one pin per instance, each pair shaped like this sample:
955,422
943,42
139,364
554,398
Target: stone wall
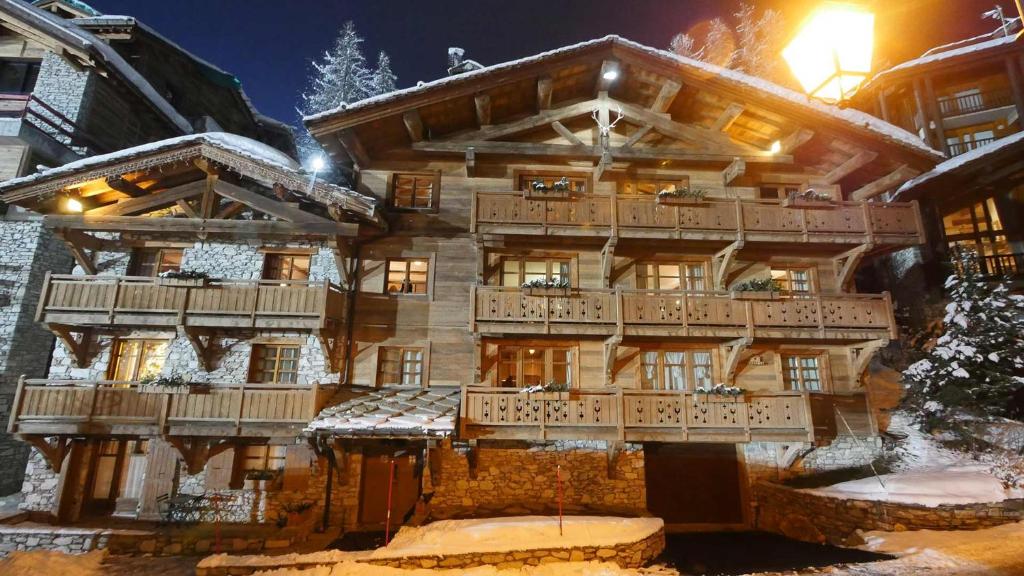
521,478
843,452
814,518
64,89
29,252
39,488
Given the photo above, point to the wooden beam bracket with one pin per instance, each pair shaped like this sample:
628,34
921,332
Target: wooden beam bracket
54,450
860,357
331,343
734,349
723,261
735,170
79,348
203,350
197,451
611,353
845,265
608,260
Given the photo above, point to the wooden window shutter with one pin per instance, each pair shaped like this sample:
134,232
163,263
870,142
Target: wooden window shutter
298,464
219,469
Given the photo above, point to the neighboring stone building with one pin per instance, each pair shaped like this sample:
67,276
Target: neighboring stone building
74,83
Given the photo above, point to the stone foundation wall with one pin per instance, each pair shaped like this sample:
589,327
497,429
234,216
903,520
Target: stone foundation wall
520,478
814,518
39,488
843,452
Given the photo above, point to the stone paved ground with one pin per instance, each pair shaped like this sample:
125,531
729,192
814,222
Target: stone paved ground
148,566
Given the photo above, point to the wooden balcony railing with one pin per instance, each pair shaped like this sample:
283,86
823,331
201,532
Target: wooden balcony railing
634,415
132,301
104,407
710,314
950,106
714,219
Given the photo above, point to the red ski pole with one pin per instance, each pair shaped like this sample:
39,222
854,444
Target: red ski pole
387,518
558,474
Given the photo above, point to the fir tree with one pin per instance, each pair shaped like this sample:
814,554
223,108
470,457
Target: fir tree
383,80
976,367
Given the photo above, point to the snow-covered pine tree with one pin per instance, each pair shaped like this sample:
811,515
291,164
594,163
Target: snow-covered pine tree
976,367
383,80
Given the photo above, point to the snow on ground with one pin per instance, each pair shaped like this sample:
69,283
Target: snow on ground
516,533
556,569
998,550
948,485
47,563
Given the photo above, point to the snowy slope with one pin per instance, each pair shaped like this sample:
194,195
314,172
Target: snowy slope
949,485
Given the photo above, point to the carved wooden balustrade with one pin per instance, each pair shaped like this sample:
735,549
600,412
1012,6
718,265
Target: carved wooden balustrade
710,314
127,300
896,223
634,415
105,407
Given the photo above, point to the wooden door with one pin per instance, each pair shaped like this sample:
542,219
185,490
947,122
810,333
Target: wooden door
693,483
104,481
405,489
160,477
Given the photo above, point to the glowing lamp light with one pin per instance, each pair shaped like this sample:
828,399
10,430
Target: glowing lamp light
73,205
611,75
317,163
831,54
776,147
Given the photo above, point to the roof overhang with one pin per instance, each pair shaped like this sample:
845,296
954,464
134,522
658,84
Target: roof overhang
995,167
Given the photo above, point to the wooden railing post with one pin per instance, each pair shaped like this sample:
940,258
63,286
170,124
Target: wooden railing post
113,300
472,307
314,409
620,408
894,331
92,401
44,297
462,410
821,315
255,305
16,404
241,407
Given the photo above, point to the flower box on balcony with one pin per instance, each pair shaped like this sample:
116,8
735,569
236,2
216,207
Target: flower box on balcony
719,398
185,282
753,295
548,395
551,195
185,388
664,200
544,291
817,202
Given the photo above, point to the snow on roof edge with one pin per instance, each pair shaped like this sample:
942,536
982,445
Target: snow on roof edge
945,55
856,118
960,161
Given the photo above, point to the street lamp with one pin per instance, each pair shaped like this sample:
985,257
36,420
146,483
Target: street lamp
831,54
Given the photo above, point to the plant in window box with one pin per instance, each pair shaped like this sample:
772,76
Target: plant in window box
561,189
173,384
545,287
681,196
550,391
809,199
757,289
265,480
298,513
183,278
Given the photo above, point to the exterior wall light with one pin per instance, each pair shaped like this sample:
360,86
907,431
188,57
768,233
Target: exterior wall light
831,54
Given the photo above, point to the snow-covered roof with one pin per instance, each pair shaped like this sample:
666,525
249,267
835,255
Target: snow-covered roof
69,33
392,412
851,117
961,162
933,57
259,152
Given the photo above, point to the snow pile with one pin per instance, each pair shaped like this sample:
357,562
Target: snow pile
949,485
323,556
448,537
49,563
998,550
556,569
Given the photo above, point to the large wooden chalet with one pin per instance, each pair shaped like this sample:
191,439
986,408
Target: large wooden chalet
604,258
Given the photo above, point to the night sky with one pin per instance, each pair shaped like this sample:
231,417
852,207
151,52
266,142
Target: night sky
269,44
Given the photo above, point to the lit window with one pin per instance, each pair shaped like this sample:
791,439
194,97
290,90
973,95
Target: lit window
522,366
413,191
690,276
407,276
286,267
275,364
802,372
676,369
270,458
795,280
576,183
653,187
400,366
151,262
777,191
517,271
136,360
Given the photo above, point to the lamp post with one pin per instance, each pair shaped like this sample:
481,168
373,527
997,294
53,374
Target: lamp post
831,53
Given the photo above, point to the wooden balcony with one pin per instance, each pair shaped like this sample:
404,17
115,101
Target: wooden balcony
722,220
109,408
74,300
503,310
634,416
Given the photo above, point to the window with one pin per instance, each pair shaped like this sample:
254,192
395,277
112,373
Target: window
979,228
652,187
274,364
18,76
400,366
516,271
676,369
969,138
802,372
522,366
135,360
414,191
263,458
151,262
796,280
576,183
286,267
407,276
690,276
777,191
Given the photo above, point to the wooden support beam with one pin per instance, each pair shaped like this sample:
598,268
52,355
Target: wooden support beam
541,118
885,183
331,342
544,93
208,203
566,133
723,261
413,125
196,451
608,67
613,449
472,459
611,352
731,113
608,261
79,348
270,206
54,450
470,163
236,228
594,152
151,201
846,264
482,105
186,208
853,164
734,170
790,143
665,97
713,141
733,350
354,147
125,187
203,350
76,241
229,211
860,357
638,135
